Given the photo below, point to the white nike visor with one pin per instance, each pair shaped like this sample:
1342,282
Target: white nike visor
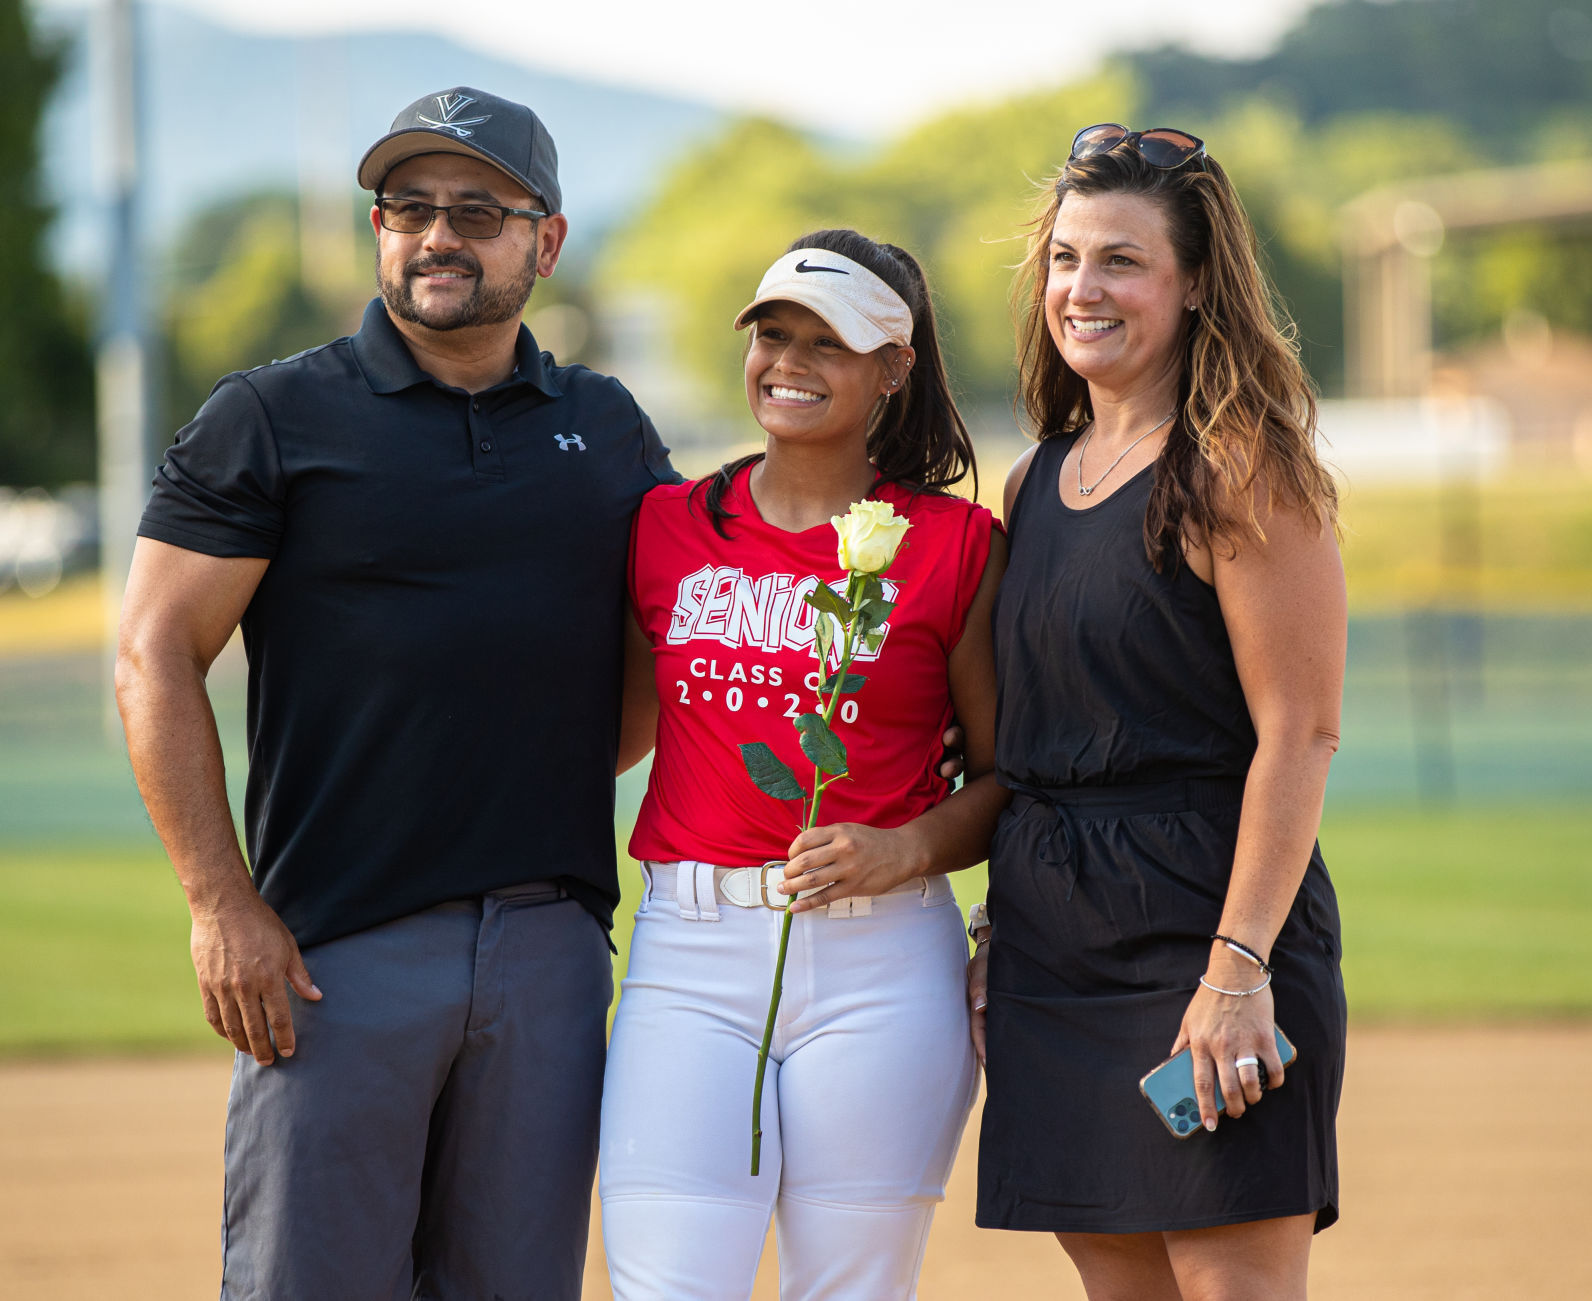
858,306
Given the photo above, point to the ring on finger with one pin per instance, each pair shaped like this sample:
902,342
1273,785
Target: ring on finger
1246,1061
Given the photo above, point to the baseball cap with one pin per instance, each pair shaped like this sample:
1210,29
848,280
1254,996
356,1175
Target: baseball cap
471,122
861,308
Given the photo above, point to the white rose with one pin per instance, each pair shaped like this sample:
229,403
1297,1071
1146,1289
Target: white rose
870,536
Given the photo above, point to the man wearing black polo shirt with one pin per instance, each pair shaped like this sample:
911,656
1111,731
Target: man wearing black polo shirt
422,530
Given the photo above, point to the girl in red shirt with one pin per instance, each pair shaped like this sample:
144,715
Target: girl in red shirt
870,1077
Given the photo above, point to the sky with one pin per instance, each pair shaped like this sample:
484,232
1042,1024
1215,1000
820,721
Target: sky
868,67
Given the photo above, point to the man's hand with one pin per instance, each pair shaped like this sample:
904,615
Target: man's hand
245,958
955,757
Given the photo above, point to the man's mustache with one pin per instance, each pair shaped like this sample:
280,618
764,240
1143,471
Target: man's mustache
454,262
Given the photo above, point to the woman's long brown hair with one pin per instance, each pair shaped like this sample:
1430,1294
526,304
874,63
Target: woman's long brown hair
1247,409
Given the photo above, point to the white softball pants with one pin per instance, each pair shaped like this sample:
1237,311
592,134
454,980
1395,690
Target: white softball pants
869,1083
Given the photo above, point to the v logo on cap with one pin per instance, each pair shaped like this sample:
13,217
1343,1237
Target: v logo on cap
450,106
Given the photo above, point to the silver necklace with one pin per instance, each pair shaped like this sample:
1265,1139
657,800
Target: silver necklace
1084,492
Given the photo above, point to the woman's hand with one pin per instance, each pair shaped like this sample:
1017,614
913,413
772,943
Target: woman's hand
1220,1030
847,858
978,994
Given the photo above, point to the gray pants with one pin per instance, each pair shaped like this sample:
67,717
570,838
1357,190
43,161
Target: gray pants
434,1135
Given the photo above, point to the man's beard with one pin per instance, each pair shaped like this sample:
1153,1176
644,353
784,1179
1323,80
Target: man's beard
487,304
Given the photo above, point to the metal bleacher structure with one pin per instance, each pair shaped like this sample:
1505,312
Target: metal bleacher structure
1390,236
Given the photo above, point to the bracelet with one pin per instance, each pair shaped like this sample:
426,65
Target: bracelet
1243,950
1236,993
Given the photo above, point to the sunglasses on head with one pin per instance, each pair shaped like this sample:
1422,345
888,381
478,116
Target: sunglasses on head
1163,146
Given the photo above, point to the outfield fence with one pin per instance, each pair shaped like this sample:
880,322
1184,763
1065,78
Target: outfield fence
1440,707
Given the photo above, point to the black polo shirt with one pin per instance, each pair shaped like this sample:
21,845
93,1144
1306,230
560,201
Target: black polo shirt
435,651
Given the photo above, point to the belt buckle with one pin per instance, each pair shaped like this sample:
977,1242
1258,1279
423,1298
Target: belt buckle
762,889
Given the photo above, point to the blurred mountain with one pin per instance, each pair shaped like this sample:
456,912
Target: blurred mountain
1496,69
229,111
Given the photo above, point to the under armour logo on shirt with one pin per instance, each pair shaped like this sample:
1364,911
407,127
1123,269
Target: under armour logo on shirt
569,441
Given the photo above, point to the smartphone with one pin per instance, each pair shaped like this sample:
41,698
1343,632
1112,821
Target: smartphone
1169,1088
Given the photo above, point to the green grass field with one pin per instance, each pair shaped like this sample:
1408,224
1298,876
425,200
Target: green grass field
1476,915
94,952
1469,687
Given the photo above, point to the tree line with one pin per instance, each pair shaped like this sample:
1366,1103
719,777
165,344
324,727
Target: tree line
1359,93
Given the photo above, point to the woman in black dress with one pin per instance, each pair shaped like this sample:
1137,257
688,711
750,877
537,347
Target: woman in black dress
1170,641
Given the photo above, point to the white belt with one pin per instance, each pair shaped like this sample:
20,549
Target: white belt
699,887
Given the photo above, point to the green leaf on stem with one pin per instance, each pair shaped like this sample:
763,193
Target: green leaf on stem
823,638
853,682
821,745
874,640
825,598
869,589
769,773
873,612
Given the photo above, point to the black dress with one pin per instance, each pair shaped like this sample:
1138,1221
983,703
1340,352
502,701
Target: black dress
1124,735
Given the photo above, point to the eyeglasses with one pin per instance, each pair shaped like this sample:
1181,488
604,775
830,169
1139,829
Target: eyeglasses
1163,146
471,220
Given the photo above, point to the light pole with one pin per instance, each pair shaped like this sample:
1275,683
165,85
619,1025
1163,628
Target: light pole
121,370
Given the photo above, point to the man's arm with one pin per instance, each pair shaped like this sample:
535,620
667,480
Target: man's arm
180,609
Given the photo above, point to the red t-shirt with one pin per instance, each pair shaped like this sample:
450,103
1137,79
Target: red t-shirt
732,644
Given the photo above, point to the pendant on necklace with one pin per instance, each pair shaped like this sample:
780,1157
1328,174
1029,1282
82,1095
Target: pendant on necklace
1083,489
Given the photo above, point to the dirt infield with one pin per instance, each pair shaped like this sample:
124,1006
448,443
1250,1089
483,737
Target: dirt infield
1467,1173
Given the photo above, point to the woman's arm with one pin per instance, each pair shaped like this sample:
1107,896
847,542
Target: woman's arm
951,768
978,964
638,716
1014,482
859,860
1286,612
